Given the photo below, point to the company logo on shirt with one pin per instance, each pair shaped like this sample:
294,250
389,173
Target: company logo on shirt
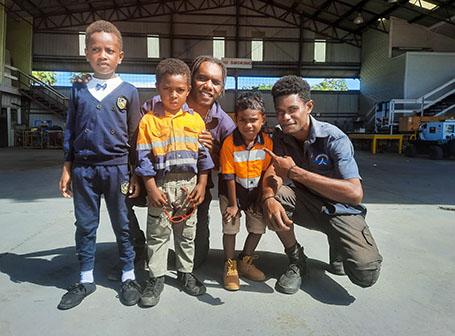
321,160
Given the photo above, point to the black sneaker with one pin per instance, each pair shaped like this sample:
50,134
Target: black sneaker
151,294
190,284
130,293
291,280
75,295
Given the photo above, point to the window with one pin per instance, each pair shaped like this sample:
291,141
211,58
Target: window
423,4
257,50
153,46
319,50
81,43
218,47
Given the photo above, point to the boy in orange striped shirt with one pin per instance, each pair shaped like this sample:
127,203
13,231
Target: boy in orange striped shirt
174,167
243,161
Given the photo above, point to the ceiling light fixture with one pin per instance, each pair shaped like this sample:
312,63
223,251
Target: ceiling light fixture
358,20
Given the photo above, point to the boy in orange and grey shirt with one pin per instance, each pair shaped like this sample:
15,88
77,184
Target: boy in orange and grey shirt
243,161
175,167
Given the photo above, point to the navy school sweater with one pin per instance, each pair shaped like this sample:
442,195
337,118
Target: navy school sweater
101,133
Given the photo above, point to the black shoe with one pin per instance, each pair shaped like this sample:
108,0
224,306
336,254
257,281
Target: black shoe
130,293
190,284
75,295
151,294
290,281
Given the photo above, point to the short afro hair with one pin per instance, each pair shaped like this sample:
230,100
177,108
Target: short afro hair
102,26
288,85
249,100
172,66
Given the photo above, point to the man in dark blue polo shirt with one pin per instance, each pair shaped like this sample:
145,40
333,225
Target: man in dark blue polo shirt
314,182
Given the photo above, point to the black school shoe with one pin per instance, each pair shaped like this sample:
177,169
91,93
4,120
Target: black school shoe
130,293
190,284
75,295
152,291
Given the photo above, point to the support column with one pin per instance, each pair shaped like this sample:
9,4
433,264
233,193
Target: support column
9,128
19,116
3,18
19,43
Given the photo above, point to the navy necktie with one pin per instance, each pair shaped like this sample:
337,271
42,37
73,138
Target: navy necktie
101,86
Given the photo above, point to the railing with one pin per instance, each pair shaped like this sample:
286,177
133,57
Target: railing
32,86
387,113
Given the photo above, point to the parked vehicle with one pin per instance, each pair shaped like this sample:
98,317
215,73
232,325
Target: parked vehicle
435,138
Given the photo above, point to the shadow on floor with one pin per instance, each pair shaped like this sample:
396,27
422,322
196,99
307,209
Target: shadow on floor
59,268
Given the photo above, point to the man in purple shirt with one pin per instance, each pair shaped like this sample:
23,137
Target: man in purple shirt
208,77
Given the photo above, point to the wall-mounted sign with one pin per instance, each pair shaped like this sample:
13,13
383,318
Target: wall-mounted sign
238,63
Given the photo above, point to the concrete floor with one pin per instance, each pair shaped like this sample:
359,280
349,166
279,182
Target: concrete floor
411,205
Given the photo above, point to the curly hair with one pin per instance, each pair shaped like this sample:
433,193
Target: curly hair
172,66
102,26
249,100
197,62
288,85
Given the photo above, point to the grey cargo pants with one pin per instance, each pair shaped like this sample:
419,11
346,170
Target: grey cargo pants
349,237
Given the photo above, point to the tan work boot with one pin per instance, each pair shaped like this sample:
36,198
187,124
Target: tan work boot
248,270
231,276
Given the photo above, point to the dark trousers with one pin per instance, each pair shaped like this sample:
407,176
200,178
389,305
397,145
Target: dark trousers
135,229
89,183
349,237
201,241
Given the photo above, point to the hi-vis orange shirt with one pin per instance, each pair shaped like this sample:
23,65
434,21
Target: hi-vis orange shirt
244,165
169,142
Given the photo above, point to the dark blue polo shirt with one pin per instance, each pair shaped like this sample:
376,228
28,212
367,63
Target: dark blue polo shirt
327,151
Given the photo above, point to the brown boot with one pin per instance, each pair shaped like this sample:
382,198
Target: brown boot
248,270
231,276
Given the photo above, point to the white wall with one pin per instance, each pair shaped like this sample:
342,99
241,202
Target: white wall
381,77
407,36
426,71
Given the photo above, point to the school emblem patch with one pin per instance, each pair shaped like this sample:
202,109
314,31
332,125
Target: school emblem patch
122,102
124,187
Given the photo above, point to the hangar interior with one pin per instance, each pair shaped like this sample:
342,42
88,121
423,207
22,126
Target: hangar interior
400,53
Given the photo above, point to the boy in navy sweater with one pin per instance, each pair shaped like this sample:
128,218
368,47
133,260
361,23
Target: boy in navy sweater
102,120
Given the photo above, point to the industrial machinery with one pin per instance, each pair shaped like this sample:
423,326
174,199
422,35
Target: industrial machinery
435,138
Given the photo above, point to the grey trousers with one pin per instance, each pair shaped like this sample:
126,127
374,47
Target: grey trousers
159,227
349,237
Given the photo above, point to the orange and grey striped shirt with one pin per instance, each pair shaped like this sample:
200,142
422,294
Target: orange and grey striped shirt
244,165
169,142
